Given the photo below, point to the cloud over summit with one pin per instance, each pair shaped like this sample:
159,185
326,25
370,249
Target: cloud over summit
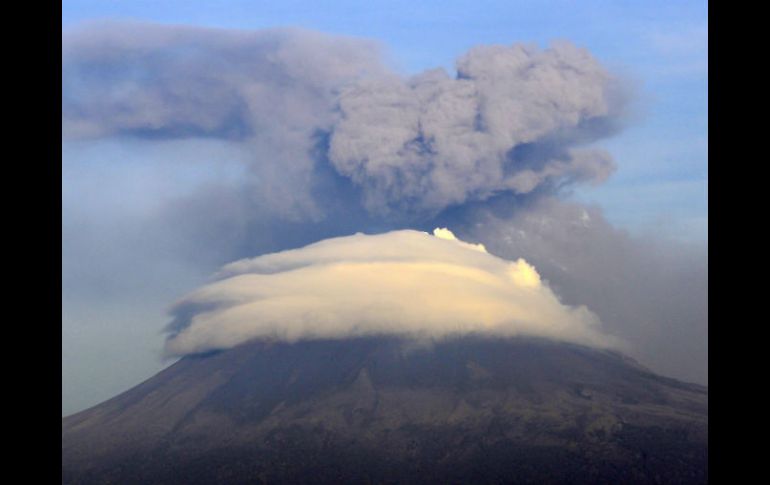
404,283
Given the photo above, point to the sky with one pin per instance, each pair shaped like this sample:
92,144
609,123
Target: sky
149,214
661,46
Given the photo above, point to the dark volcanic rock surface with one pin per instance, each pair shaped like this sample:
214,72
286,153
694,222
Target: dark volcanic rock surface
379,410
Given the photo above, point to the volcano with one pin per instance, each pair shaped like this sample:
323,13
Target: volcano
387,410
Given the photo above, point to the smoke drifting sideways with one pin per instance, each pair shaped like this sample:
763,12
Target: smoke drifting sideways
334,141
404,283
513,119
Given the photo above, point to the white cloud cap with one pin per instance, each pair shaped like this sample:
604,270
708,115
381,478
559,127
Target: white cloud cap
404,283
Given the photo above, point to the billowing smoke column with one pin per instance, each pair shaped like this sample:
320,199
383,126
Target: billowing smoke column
403,283
510,121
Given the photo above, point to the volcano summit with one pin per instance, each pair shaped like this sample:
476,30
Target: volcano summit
403,358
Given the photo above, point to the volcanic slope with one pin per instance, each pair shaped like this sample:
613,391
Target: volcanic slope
384,410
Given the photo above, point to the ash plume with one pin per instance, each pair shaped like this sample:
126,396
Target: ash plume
331,141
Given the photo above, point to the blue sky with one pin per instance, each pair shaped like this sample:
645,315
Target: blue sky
660,46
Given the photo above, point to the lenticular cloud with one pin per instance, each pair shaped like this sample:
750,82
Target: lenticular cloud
403,283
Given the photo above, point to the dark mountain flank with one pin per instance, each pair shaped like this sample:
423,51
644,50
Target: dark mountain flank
381,410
